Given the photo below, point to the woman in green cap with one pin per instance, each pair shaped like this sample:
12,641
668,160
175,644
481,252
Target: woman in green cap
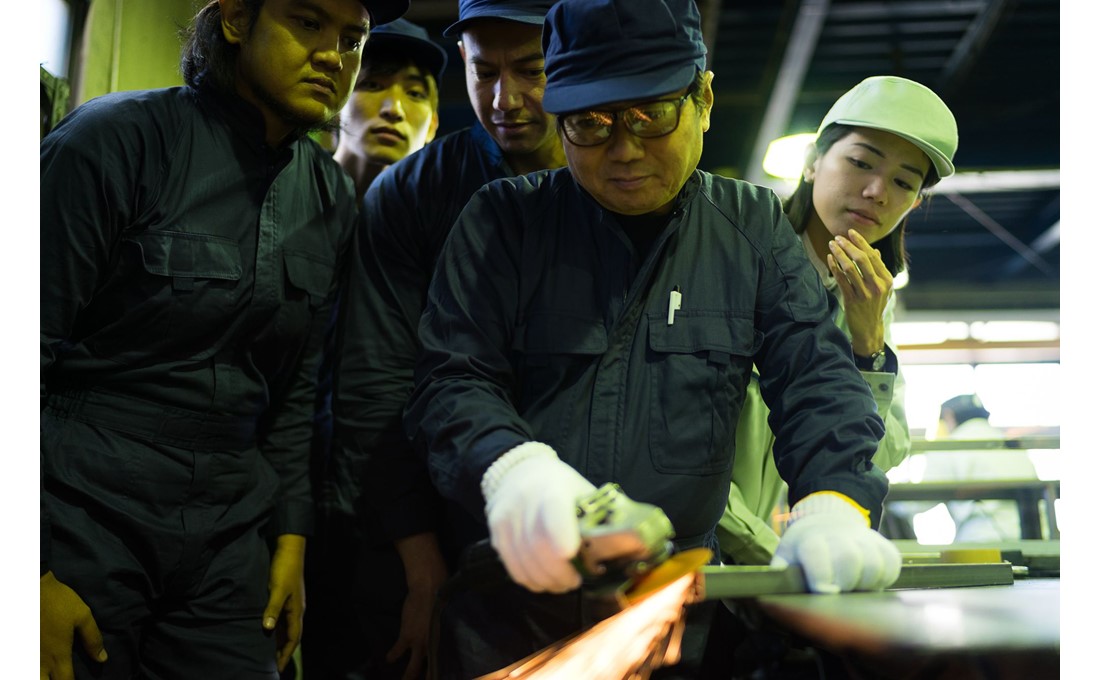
879,149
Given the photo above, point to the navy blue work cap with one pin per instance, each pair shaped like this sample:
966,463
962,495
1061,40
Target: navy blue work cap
406,39
385,11
603,51
523,11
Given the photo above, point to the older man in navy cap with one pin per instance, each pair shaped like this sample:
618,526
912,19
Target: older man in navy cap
407,213
599,324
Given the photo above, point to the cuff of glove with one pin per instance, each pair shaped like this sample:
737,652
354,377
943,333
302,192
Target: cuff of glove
831,502
490,481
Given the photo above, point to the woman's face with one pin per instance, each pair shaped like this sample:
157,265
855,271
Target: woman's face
868,181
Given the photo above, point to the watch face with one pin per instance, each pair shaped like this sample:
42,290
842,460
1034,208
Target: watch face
878,360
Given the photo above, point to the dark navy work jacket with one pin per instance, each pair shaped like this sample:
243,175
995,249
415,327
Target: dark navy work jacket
543,323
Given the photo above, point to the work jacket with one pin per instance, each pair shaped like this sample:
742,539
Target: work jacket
407,213
188,267
748,532
544,323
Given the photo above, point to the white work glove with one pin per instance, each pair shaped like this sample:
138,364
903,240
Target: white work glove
830,537
531,506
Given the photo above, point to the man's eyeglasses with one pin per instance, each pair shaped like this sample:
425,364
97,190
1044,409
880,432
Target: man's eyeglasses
648,120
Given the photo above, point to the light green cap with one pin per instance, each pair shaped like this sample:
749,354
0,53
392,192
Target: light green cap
907,109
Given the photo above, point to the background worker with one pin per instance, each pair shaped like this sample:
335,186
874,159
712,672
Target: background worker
191,246
880,148
965,417
353,574
407,214
394,108
557,357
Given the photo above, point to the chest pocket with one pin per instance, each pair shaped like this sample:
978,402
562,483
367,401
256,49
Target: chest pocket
175,294
555,357
308,282
698,368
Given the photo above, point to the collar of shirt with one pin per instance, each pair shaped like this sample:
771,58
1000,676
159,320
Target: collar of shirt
244,119
489,146
822,269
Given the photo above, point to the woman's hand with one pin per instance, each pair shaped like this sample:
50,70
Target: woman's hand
865,284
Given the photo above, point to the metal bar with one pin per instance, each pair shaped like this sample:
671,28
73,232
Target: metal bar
788,81
733,582
973,43
1014,443
1000,232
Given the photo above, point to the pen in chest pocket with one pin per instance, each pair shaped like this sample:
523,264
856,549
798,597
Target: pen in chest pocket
675,298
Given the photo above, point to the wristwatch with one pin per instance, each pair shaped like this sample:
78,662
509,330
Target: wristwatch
876,362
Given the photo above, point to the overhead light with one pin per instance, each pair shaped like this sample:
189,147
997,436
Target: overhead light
785,156
1014,331
928,332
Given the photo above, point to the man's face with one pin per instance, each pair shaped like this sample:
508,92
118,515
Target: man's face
298,61
505,81
391,114
630,175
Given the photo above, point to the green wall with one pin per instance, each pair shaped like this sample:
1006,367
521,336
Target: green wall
147,43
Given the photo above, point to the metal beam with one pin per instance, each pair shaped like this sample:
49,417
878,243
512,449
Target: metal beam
1000,232
1000,180
973,42
788,81
710,11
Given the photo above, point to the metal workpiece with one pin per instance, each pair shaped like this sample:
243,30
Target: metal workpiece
732,582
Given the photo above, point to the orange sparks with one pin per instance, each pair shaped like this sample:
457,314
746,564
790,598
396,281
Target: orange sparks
628,645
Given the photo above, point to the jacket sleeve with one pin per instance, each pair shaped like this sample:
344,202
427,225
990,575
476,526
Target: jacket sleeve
287,433
90,168
822,411
373,463
461,410
889,392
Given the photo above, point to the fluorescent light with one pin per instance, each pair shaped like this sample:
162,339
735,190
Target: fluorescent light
1014,331
786,156
928,332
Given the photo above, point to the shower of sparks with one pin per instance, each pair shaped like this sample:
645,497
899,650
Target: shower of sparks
629,645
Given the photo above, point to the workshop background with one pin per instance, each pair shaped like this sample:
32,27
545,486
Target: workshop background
980,311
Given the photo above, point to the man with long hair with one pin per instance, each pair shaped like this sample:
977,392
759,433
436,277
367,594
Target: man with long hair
191,246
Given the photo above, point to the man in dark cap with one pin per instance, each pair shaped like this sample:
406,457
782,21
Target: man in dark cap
394,108
192,240
599,324
353,574
407,213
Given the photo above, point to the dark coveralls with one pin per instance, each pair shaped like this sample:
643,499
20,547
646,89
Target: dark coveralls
373,489
543,323
187,271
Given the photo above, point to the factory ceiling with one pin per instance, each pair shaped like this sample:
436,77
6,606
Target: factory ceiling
989,238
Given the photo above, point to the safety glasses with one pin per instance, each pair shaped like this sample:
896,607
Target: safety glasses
647,120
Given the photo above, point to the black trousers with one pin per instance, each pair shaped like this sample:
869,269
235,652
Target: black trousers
355,590
165,544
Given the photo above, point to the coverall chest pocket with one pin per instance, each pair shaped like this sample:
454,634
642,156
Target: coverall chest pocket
309,279
698,368
555,357
177,291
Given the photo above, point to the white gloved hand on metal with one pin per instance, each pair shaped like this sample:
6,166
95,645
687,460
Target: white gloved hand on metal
531,507
830,537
